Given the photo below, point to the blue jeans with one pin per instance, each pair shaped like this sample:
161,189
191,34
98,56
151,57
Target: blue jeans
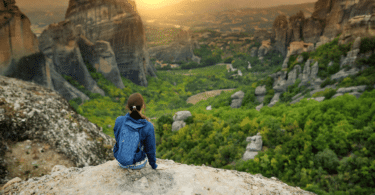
137,165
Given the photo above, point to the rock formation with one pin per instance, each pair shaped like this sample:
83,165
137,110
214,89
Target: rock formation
179,120
16,38
181,49
171,178
118,23
237,99
330,18
253,147
30,111
59,44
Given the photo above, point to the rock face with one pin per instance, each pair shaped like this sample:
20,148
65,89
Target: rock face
237,99
102,57
179,118
253,147
59,43
180,50
16,38
330,18
30,111
118,23
171,178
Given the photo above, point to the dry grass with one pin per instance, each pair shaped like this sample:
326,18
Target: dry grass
205,95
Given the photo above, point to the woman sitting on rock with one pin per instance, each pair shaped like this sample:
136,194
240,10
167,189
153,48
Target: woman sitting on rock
133,133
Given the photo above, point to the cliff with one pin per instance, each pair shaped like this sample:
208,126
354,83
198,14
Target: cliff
118,23
16,37
29,111
329,19
181,49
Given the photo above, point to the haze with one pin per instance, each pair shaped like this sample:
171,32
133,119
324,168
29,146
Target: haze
141,4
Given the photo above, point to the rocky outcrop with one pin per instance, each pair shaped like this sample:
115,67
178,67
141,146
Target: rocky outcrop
179,120
170,178
16,38
118,23
182,49
237,99
330,18
102,57
30,111
253,147
260,92
59,43
264,49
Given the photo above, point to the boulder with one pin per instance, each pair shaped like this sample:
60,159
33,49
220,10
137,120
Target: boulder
238,95
337,95
274,99
209,107
181,115
118,23
253,147
169,178
259,107
237,99
45,115
177,125
260,90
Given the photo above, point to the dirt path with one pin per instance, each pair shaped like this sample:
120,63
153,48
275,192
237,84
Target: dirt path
205,95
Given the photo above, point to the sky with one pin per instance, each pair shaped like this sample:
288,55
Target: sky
141,4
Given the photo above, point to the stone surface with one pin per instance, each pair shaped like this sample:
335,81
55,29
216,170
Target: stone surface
170,178
259,107
45,115
352,89
253,147
181,115
260,90
209,107
101,56
181,49
177,125
342,73
118,23
16,38
237,99
58,42
280,33
264,49
274,99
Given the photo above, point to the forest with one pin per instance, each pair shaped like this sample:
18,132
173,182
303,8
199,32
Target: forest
324,147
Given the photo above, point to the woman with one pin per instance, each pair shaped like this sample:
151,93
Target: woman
133,132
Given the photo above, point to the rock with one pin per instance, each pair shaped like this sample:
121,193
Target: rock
181,115
342,73
337,95
264,49
180,50
49,117
280,33
297,100
274,99
296,48
296,96
196,59
330,64
177,125
254,52
12,182
101,56
357,43
319,99
295,26
238,95
260,90
59,43
300,59
356,94
314,71
259,107
249,66
209,107
272,103
253,147
118,23
312,30
352,89
16,38
170,178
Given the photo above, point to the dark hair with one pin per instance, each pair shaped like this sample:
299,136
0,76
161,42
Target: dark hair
136,99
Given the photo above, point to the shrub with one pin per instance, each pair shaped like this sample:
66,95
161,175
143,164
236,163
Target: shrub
328,81
328,160
367,44
228,60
